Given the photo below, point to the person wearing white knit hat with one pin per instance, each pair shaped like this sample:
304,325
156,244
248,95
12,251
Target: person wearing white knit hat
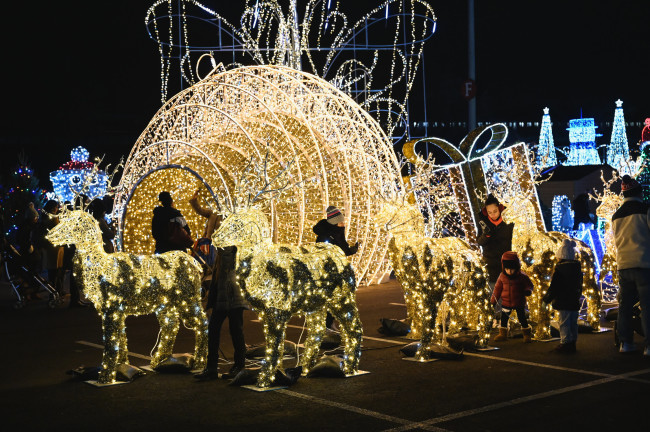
565,292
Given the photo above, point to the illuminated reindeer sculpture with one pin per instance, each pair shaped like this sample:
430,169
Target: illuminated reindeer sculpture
536,249
122,284
433,271
282,280
609,203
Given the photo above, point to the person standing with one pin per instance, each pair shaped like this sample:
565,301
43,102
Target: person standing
631,228
512,287
494,236
97,208
565,292
168,226
226,301
332,230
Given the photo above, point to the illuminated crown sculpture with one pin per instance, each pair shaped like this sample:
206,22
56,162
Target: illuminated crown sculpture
372,56
205,135
582,136
79,174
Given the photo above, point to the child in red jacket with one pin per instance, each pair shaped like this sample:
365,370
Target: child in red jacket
512,286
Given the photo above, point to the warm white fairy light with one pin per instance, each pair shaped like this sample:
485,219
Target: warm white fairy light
121,284
269,36
434,271
282,280
215,127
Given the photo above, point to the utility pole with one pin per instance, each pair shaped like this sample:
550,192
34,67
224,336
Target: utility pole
470,84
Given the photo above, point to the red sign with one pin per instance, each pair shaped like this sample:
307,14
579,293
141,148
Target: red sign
469,89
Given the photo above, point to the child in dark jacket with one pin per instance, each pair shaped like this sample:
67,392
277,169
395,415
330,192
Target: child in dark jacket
512,287
565,292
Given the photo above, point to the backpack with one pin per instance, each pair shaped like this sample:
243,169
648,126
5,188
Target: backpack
204,252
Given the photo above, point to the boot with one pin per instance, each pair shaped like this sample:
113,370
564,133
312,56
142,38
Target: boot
503,334
527,332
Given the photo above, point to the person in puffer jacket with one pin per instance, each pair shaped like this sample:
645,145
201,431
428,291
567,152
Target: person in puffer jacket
565,292
512,287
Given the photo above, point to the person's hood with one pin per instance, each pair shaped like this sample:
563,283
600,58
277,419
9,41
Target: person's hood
484,210
512,259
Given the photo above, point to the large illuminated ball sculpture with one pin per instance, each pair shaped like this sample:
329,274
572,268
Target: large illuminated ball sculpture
204,136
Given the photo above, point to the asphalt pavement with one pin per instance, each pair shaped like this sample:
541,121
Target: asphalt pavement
523,387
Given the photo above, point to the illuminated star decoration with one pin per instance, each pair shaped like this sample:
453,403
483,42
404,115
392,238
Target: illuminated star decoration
121,284
76,175
280,280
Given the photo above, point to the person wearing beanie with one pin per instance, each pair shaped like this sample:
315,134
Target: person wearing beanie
512,287
494,236
332,230
631,228
565,292
168,226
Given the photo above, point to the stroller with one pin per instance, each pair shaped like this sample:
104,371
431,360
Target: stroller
17,272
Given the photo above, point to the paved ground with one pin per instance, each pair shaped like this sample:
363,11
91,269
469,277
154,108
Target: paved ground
519,387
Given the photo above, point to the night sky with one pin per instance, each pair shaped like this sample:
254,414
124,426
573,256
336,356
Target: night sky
86,73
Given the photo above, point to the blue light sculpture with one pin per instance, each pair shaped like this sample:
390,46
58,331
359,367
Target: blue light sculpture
546,147
582,136
78,174
618,154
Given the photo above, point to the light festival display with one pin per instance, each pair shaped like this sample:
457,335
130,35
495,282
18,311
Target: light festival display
582,136
216,126
372,56
79,175
562,215
546,147
121,284
618,154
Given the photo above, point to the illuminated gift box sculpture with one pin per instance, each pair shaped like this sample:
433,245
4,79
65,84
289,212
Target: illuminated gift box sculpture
507,173
211,130
76,175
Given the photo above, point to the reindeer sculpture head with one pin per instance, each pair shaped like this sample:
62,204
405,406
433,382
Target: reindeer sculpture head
246,228
76,227
245,225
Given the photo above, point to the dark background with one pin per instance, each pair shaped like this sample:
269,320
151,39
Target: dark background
86,73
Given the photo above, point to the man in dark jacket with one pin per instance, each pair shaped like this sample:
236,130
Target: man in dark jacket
226,301
494,236
631,227
162,225
332,230
565,292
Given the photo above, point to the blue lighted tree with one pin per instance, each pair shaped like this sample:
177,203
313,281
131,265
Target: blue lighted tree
546,147
22,188
618,153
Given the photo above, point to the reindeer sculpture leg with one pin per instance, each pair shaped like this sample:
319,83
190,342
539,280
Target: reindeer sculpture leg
196,320
316,327
351,332
275,324
112,325
168,329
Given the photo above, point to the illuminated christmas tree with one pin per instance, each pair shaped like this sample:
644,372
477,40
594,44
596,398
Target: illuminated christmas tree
618,153
546,147
582,136
22,188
